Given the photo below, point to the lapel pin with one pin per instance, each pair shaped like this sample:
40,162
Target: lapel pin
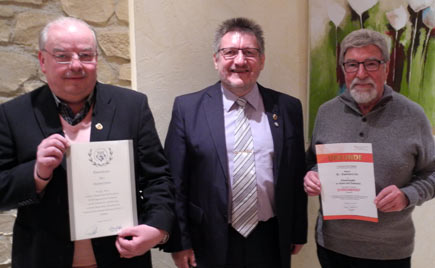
275,117
99,126
276,124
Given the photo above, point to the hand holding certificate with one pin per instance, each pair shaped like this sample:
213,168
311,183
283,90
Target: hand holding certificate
348,184
101,188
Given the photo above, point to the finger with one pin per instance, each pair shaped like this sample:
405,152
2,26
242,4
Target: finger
51,153
388,202
313,177
60,138
383,193
385,202
119,247
58,142
312,186
127,231
125,245
192,260
311,192
312,189
389,207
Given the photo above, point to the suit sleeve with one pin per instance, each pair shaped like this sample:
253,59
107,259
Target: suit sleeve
176,151
156,198
17,187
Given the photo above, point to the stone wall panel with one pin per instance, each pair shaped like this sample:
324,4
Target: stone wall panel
96,11
28,26
125,72
36,2
31,85
20,68
2,100
106,73
5,31
6,12
122,10
114,43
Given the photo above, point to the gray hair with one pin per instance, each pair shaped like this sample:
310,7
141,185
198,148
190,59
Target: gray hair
240,25
43,35
362,38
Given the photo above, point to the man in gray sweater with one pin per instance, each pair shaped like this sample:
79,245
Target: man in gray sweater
403,156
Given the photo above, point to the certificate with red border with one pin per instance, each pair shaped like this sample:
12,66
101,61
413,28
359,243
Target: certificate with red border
348,181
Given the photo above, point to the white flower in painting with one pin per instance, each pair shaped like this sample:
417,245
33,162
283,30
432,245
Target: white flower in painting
361,6
336,13
418,5
429,17
398,17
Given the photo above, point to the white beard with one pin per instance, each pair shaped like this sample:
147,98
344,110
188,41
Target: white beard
363,96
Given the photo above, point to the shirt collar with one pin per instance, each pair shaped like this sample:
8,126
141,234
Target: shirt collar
66,112
58,101
229,98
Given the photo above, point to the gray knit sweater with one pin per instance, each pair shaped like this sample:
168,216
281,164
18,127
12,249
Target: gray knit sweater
403,154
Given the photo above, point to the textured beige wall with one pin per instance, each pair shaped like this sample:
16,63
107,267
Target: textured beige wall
174,47
172,44
21,21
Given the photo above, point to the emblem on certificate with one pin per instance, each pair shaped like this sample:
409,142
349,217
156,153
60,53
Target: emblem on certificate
101,156
101,188
348,182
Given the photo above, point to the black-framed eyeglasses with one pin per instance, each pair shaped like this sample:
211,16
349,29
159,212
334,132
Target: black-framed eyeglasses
232,52
66,57
369,65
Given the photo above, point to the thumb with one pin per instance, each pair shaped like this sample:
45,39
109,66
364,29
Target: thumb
128,231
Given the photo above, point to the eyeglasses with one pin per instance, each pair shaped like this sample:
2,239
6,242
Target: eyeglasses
232,52
369,65
66,57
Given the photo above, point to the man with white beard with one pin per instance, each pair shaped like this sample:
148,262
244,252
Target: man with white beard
403,156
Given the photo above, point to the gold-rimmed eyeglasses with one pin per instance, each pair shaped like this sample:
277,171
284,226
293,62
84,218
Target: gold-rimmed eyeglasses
66,57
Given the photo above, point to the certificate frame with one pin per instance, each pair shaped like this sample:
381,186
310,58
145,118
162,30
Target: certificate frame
346,173
101,188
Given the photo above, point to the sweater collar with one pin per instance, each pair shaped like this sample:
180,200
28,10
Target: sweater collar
347,99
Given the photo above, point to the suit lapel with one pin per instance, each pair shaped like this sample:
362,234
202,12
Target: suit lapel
271,108
213,110
47,116
45,110
103,113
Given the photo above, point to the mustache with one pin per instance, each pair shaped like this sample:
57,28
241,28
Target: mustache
367,80
71,74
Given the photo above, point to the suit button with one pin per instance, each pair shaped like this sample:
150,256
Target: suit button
361,134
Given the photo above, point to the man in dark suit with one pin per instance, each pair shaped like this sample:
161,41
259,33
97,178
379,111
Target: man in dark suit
236,152
38,127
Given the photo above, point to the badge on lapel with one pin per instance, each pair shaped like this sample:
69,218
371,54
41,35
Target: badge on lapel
275,117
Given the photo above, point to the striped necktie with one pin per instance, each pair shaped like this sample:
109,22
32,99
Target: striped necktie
244,187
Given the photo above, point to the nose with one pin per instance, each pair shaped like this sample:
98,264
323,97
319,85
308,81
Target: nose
75,64
240,58
362,72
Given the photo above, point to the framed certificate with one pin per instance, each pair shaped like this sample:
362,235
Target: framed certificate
101,188
348,182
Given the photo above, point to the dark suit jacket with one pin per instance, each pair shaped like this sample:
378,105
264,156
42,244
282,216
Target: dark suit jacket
41,232
196,150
